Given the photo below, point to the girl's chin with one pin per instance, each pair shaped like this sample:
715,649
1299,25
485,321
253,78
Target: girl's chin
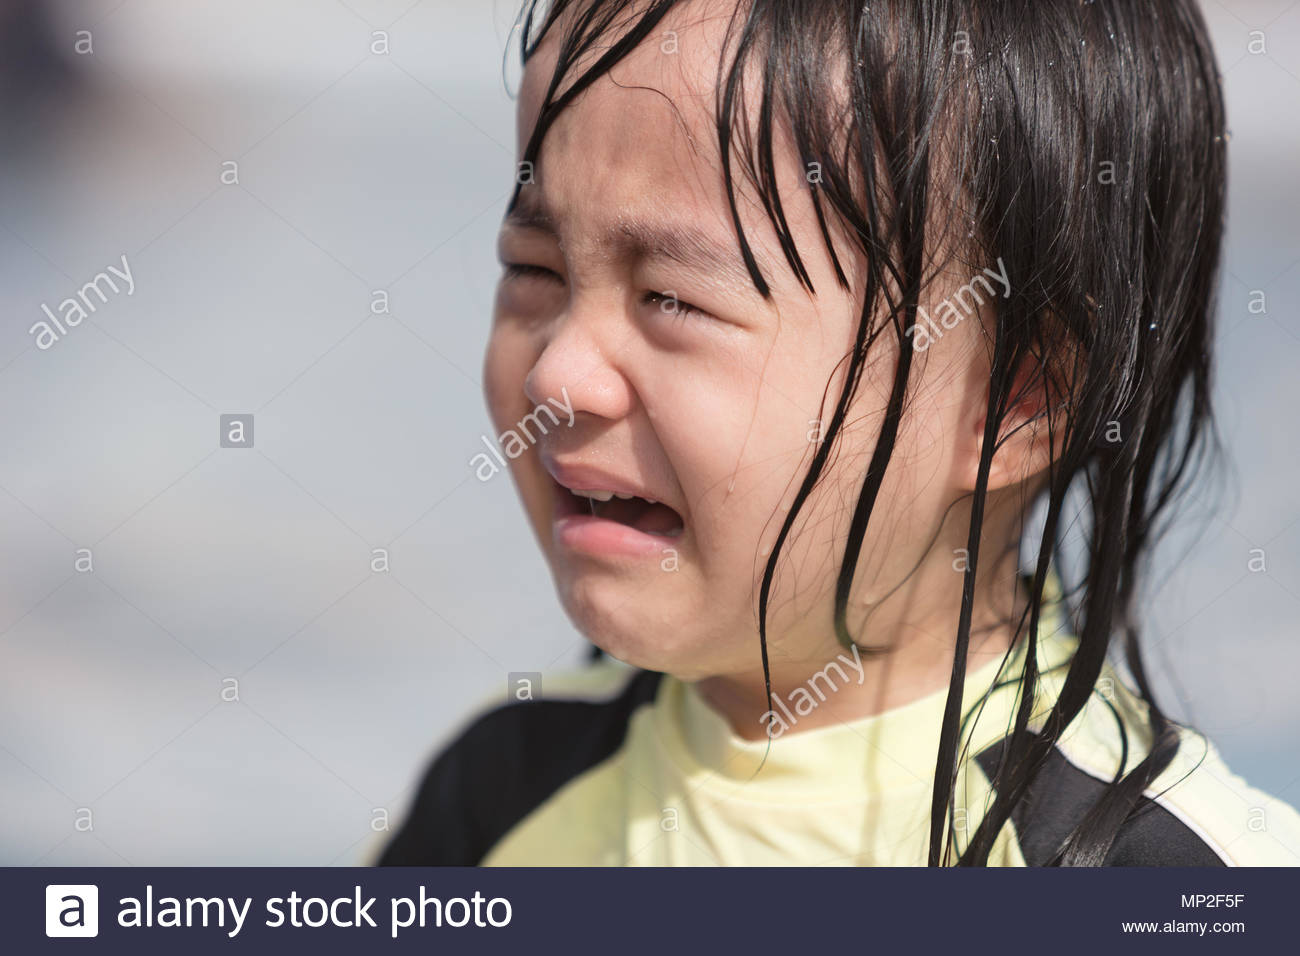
646,620
655,648
629,633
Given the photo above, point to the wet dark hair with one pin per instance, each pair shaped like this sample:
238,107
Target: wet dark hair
1081,142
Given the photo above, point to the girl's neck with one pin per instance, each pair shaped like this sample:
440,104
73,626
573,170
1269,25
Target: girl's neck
848,684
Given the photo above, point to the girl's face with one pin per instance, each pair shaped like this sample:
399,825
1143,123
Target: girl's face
626,309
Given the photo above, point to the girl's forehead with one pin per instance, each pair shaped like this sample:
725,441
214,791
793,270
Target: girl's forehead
672,74
646,130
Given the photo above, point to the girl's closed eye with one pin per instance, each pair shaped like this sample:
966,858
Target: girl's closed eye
669,304
666,302
525,270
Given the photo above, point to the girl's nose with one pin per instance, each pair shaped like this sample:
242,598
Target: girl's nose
582,359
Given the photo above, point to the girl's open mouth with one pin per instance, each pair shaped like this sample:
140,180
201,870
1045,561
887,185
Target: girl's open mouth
648,517
641,514
604,522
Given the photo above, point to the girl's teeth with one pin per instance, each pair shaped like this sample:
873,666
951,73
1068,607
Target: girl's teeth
607,495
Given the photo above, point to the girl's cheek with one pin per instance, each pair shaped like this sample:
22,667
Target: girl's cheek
505,366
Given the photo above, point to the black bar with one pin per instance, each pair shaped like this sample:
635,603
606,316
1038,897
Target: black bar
630,911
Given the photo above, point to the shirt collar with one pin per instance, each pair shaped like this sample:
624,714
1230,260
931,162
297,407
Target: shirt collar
894,749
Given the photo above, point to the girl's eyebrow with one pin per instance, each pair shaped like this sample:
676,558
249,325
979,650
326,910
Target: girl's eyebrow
529,212
634,238
685,245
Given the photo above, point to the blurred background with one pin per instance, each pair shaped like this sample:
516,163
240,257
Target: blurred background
246,655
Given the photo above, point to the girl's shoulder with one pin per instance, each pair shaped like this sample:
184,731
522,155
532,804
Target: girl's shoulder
512,756
1196,812
1248,826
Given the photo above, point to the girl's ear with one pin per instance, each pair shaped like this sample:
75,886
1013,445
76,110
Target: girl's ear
1024,448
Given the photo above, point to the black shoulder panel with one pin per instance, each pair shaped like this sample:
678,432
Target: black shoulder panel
1062,794
503,767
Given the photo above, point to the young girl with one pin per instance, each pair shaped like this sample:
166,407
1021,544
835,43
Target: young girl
885,329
